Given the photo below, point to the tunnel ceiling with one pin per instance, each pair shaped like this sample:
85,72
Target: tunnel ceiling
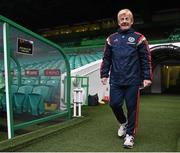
164,53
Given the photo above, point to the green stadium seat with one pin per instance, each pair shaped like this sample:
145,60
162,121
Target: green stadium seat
20,98
14,89
36,99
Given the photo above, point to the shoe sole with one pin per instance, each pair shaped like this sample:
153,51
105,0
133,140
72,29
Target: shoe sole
123,136
127,146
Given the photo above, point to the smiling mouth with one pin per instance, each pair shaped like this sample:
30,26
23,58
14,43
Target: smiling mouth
124,24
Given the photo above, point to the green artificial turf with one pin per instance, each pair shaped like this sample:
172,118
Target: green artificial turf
159,130
178,145
22,140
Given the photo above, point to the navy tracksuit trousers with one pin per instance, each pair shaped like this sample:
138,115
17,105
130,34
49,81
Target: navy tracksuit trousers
129,94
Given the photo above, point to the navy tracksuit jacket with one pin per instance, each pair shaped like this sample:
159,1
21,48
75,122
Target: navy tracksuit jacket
127,57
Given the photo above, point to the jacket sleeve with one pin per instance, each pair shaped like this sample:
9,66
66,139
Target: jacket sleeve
106,61
145,58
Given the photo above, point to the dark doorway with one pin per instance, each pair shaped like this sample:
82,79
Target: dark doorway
166,69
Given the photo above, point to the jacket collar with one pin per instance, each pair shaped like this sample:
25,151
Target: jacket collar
131,30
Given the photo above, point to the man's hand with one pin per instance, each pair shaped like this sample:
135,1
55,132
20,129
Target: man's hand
147,83
104,81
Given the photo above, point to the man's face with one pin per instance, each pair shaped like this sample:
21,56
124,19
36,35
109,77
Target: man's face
125,21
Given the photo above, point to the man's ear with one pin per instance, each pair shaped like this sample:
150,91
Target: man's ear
132,21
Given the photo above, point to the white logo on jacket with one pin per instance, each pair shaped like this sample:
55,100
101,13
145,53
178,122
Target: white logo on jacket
116,40
131,39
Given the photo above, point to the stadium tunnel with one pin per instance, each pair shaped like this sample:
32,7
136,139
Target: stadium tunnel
166,69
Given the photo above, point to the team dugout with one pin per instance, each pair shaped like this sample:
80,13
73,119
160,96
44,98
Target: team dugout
32,71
